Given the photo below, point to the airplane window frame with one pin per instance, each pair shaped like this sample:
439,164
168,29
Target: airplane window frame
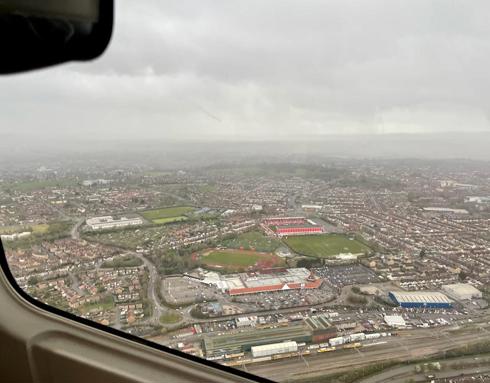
127,336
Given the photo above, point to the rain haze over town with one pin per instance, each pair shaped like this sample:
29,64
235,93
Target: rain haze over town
296,189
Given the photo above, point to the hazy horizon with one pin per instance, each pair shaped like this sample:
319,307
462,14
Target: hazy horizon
194,153
253,71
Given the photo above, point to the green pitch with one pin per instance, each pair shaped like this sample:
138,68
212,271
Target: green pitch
326,245
239,259
167,214
162,221
252,240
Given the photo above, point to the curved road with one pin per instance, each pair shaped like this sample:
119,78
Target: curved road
158,308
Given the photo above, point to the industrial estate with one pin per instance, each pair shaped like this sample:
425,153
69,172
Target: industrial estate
325,269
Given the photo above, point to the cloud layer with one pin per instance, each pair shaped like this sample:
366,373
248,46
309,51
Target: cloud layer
262,69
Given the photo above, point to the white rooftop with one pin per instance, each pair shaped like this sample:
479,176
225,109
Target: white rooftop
421,296
395,320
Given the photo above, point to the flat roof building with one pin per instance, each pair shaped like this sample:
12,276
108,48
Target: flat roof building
420,299
395,321
244,341
277,279
274,348
462,291
108,222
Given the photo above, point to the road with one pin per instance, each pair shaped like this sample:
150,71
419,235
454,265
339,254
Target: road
152,294
74,233
153,284
415,344
75,285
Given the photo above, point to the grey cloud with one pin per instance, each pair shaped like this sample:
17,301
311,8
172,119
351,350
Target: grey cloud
250,68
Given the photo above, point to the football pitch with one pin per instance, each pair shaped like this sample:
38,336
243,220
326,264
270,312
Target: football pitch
167,214
235,260
324,246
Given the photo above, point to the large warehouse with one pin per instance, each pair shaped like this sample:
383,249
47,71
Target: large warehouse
239,342
108,222
258,282
274,348
421,299
462,291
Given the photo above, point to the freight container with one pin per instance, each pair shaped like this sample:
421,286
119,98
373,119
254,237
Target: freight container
357,337
261,359
326,349
336,341
313,347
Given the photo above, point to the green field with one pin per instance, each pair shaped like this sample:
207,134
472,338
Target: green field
162,221
253,240
326,245
39,233
170,317
122,261
233,260
41,228
129,238
105,304
167,214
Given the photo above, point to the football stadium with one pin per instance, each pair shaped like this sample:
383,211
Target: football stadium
284,226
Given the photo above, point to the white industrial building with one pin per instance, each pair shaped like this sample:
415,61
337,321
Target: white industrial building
13,237
246,321
396,321
108,222
274,348
462,291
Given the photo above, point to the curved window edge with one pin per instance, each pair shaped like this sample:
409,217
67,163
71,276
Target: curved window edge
113,331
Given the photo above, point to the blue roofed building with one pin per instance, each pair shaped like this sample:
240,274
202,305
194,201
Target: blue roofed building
420,299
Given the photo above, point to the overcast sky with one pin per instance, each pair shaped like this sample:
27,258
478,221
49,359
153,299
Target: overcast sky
261,68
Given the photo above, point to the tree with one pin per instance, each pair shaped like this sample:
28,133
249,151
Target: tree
33,280
462,275
308,263
422,253
356,289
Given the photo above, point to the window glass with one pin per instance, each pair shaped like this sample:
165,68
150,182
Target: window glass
297,189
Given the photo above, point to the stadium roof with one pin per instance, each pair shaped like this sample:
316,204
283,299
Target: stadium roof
297,226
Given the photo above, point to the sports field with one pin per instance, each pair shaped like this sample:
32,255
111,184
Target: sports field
40,228
235,260
167,214
162,221
252,240
326,245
